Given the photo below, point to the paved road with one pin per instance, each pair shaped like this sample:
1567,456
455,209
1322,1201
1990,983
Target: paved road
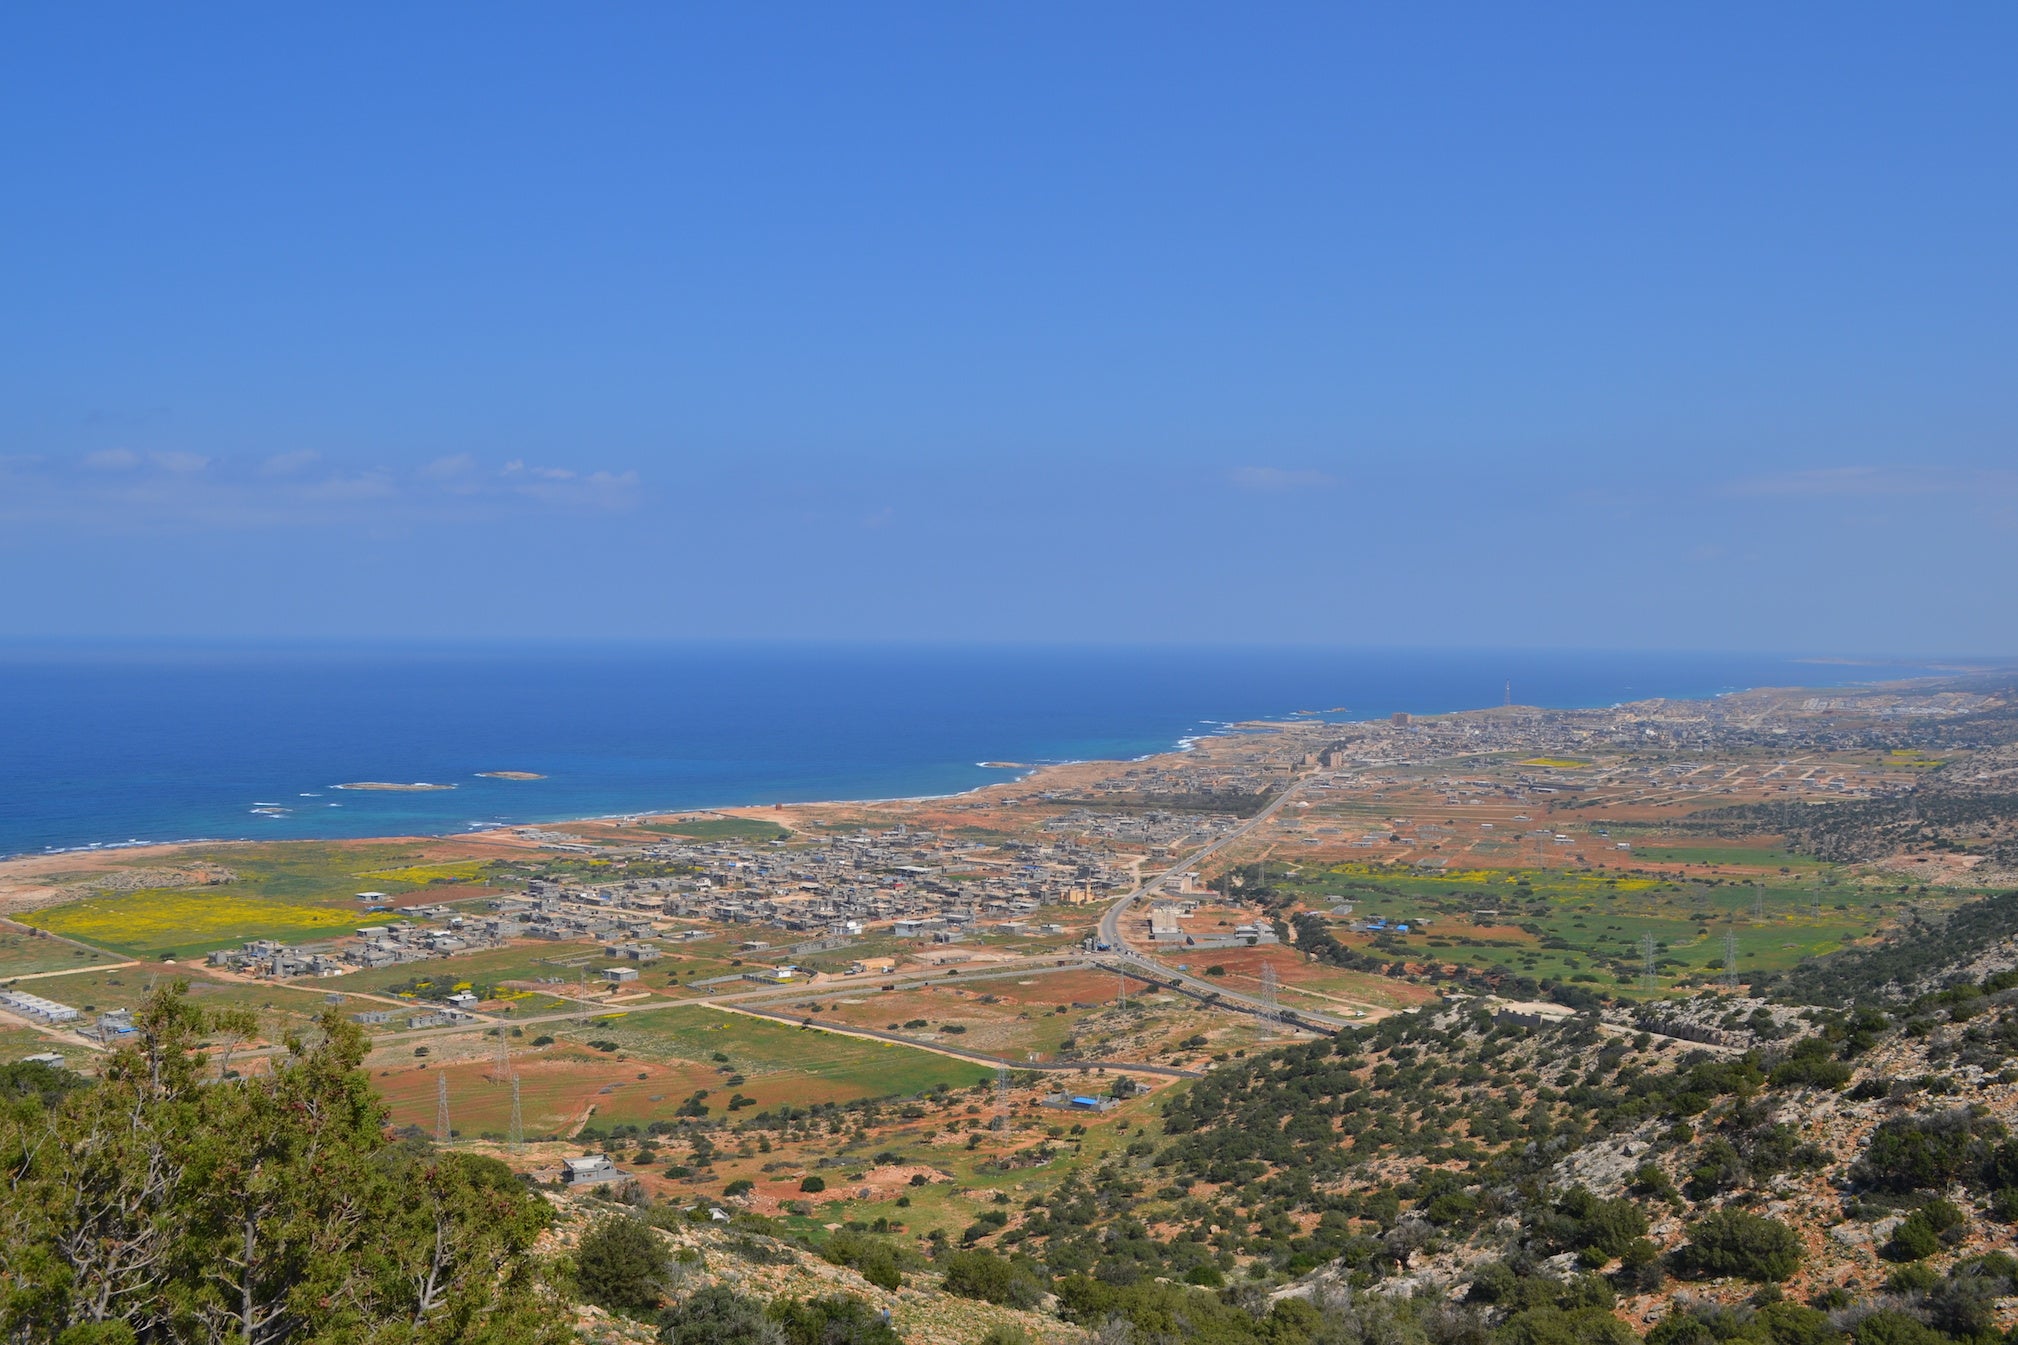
1125,953
1110,923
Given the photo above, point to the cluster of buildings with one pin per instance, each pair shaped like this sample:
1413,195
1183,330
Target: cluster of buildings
911,881
106,1027
1166,925
385,945
37,1009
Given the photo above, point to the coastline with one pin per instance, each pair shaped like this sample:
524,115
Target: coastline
1011,773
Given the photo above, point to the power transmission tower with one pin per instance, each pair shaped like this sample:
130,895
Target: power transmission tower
441,1130
517,1134
1001,1097
503,1069
1121,986
1648,977
1271,1012
1730,955
1758,903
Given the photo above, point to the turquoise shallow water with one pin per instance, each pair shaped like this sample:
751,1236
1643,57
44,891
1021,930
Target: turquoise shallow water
108,745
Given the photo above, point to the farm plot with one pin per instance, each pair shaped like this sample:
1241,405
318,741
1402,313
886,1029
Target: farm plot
780,1063
183,922
32,954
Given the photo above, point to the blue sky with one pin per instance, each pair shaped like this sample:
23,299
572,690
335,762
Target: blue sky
1632,326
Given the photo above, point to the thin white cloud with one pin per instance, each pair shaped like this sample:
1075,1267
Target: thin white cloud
123,491
179,462
1280,478
289,464
595,491
1873,482
444,469
341,489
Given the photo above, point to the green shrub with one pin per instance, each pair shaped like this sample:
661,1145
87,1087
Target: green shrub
718,1315
982,1274
620,1264
1891,1327
841,1319
1751,1246
1922,1233
1914,1153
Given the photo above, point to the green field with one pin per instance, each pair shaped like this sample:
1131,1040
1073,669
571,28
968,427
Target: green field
1586,927
799,1065
720,829
28,954
1733,856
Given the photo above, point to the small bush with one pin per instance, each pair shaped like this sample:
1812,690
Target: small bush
620,1264
1751,1246
718,1315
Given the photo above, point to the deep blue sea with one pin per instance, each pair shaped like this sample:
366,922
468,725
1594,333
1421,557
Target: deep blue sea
107,745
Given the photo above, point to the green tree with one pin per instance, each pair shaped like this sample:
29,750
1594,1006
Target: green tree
172,1201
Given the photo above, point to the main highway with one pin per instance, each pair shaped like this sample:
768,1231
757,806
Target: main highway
1128,957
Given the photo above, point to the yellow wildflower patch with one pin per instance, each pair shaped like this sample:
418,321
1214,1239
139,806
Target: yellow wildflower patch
165,920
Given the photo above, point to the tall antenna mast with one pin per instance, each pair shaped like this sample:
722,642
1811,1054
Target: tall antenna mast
1509,691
